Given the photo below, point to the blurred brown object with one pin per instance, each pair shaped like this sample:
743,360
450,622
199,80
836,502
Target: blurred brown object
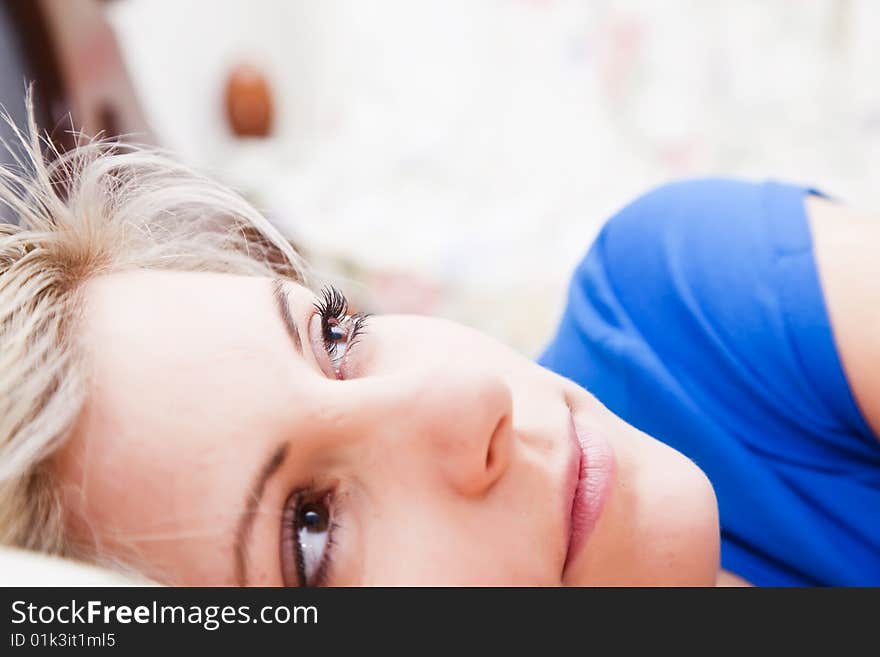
248,102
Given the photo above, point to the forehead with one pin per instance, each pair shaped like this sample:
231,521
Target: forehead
186,344
166,310
185,373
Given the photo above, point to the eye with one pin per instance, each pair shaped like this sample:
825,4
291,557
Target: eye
307,540
339,329
312,532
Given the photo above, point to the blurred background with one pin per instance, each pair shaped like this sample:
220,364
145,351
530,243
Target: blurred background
456,157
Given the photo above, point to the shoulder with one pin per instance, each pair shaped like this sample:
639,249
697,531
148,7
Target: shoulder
663,270
689,203
712,282
707,240
765,281
686,224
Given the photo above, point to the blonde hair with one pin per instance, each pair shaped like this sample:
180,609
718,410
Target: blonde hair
102,207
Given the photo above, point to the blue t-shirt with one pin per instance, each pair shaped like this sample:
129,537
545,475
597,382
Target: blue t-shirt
698,317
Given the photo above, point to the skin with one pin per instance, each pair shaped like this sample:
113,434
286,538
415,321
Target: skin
446,452
845,245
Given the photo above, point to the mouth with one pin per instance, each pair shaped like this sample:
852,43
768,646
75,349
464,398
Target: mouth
592,467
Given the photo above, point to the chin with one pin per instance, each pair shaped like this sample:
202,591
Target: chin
659,526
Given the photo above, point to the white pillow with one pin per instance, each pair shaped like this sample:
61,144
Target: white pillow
27,568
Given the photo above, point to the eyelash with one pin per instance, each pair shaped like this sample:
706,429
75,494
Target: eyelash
301,498
333,308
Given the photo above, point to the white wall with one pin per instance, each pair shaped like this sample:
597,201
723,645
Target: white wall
479,143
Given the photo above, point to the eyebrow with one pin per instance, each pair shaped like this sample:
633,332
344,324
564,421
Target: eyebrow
282,303
251,506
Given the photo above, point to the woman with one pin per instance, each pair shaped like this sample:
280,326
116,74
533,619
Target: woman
177,402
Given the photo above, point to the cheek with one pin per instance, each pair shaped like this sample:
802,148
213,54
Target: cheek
661,522
438,555
423,536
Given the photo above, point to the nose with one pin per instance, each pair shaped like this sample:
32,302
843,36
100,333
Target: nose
470,420
459,423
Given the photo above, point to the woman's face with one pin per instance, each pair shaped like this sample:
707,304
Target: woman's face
222,444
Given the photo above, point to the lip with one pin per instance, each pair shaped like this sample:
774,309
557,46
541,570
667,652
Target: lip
591,469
